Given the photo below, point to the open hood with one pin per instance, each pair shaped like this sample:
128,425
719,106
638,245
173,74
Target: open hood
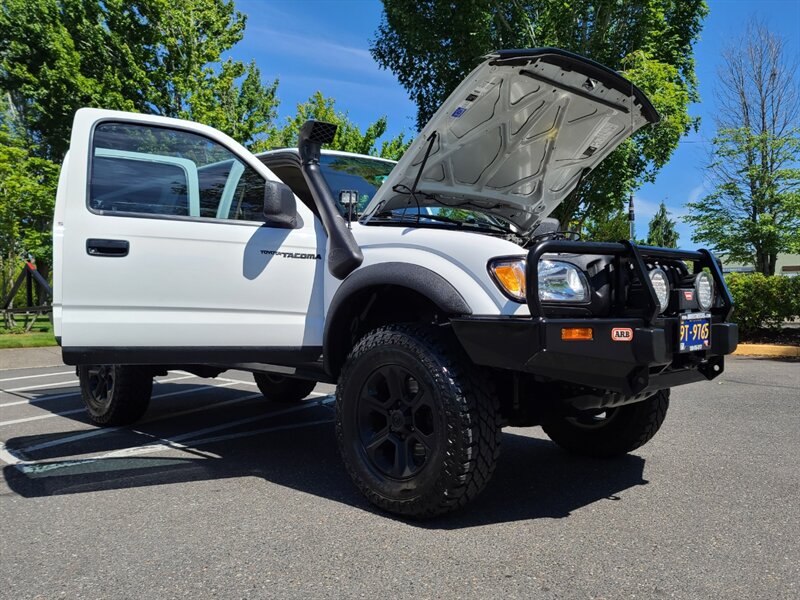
515,138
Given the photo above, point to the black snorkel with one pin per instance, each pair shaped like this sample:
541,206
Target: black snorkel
344,255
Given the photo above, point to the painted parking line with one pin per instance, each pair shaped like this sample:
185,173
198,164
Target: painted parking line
40,417
315,394
37,376
31,388
35,400
252,432
192,438
104,430
196,390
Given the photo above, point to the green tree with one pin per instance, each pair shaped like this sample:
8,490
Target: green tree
431,47
613,228
661,231
753,212
27,190
152,56
349,137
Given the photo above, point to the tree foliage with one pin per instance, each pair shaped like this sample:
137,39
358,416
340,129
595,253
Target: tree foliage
431,45
349,137
27,190
753,212
661,230
153,56
611,228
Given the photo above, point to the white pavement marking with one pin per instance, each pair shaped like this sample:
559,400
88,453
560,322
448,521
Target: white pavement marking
37,376
58,396
40,417
104,430
39,399
41,387
173,443
241,434
70,412
7,456
254,383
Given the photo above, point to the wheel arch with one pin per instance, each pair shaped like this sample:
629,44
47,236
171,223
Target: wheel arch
380,294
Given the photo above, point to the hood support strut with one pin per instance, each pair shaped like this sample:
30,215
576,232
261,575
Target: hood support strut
344,255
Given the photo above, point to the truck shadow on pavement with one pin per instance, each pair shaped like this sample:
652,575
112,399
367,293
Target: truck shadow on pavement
297,449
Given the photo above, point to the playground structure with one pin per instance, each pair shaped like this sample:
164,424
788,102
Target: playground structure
30,276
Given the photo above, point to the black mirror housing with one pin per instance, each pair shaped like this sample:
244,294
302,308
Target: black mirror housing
546,226
280,209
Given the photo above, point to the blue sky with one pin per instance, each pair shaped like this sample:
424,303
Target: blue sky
323,45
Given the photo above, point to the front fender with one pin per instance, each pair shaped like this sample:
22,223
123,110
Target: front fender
414,277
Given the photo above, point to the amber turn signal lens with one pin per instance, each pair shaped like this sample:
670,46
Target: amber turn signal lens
571,334
511,277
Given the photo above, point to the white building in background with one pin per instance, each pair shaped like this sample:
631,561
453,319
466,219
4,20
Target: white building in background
787,265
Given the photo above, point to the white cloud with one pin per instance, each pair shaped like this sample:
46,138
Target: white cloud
696,192
314,49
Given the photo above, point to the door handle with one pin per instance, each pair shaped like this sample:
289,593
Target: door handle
95,247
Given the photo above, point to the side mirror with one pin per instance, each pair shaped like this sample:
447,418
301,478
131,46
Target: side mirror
349,201
280,209
547,226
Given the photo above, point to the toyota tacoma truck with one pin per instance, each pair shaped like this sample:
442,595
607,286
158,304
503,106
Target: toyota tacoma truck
436,293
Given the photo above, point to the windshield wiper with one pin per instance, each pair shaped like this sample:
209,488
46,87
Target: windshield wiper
485,225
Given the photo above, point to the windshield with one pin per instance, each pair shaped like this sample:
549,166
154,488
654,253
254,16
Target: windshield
354,174
443,215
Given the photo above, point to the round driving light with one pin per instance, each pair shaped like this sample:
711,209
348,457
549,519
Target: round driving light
704,290
658,278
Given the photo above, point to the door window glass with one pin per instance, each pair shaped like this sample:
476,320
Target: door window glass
157,170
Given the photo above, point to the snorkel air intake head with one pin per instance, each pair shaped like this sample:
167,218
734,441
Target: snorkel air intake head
344,255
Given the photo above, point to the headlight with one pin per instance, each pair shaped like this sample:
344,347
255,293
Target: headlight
558,281
562,282
661,286
704,290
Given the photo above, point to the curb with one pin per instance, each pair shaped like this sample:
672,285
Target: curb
30,358
767,350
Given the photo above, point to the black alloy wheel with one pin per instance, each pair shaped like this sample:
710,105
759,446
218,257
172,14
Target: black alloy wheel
115,394
396,425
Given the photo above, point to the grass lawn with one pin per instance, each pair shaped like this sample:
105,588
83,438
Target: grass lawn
40,335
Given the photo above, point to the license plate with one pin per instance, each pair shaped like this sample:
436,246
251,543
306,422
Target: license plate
695,332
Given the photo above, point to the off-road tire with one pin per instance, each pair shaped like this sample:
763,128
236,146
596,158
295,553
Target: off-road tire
115,394
454,408
278,388
626,429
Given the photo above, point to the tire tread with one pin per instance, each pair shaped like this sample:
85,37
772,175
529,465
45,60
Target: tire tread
474,418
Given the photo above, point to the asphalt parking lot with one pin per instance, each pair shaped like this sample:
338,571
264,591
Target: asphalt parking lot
219,493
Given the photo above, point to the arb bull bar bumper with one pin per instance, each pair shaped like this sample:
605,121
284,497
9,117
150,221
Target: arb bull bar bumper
648,361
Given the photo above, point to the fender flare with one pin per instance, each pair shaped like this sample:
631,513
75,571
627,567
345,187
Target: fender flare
419,279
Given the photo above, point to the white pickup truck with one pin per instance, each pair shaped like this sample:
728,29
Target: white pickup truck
434,292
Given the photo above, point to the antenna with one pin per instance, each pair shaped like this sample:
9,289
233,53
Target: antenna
631,214
631,218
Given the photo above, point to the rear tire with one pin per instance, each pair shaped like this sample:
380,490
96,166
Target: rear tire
115,394
623,429
283,389
418,424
